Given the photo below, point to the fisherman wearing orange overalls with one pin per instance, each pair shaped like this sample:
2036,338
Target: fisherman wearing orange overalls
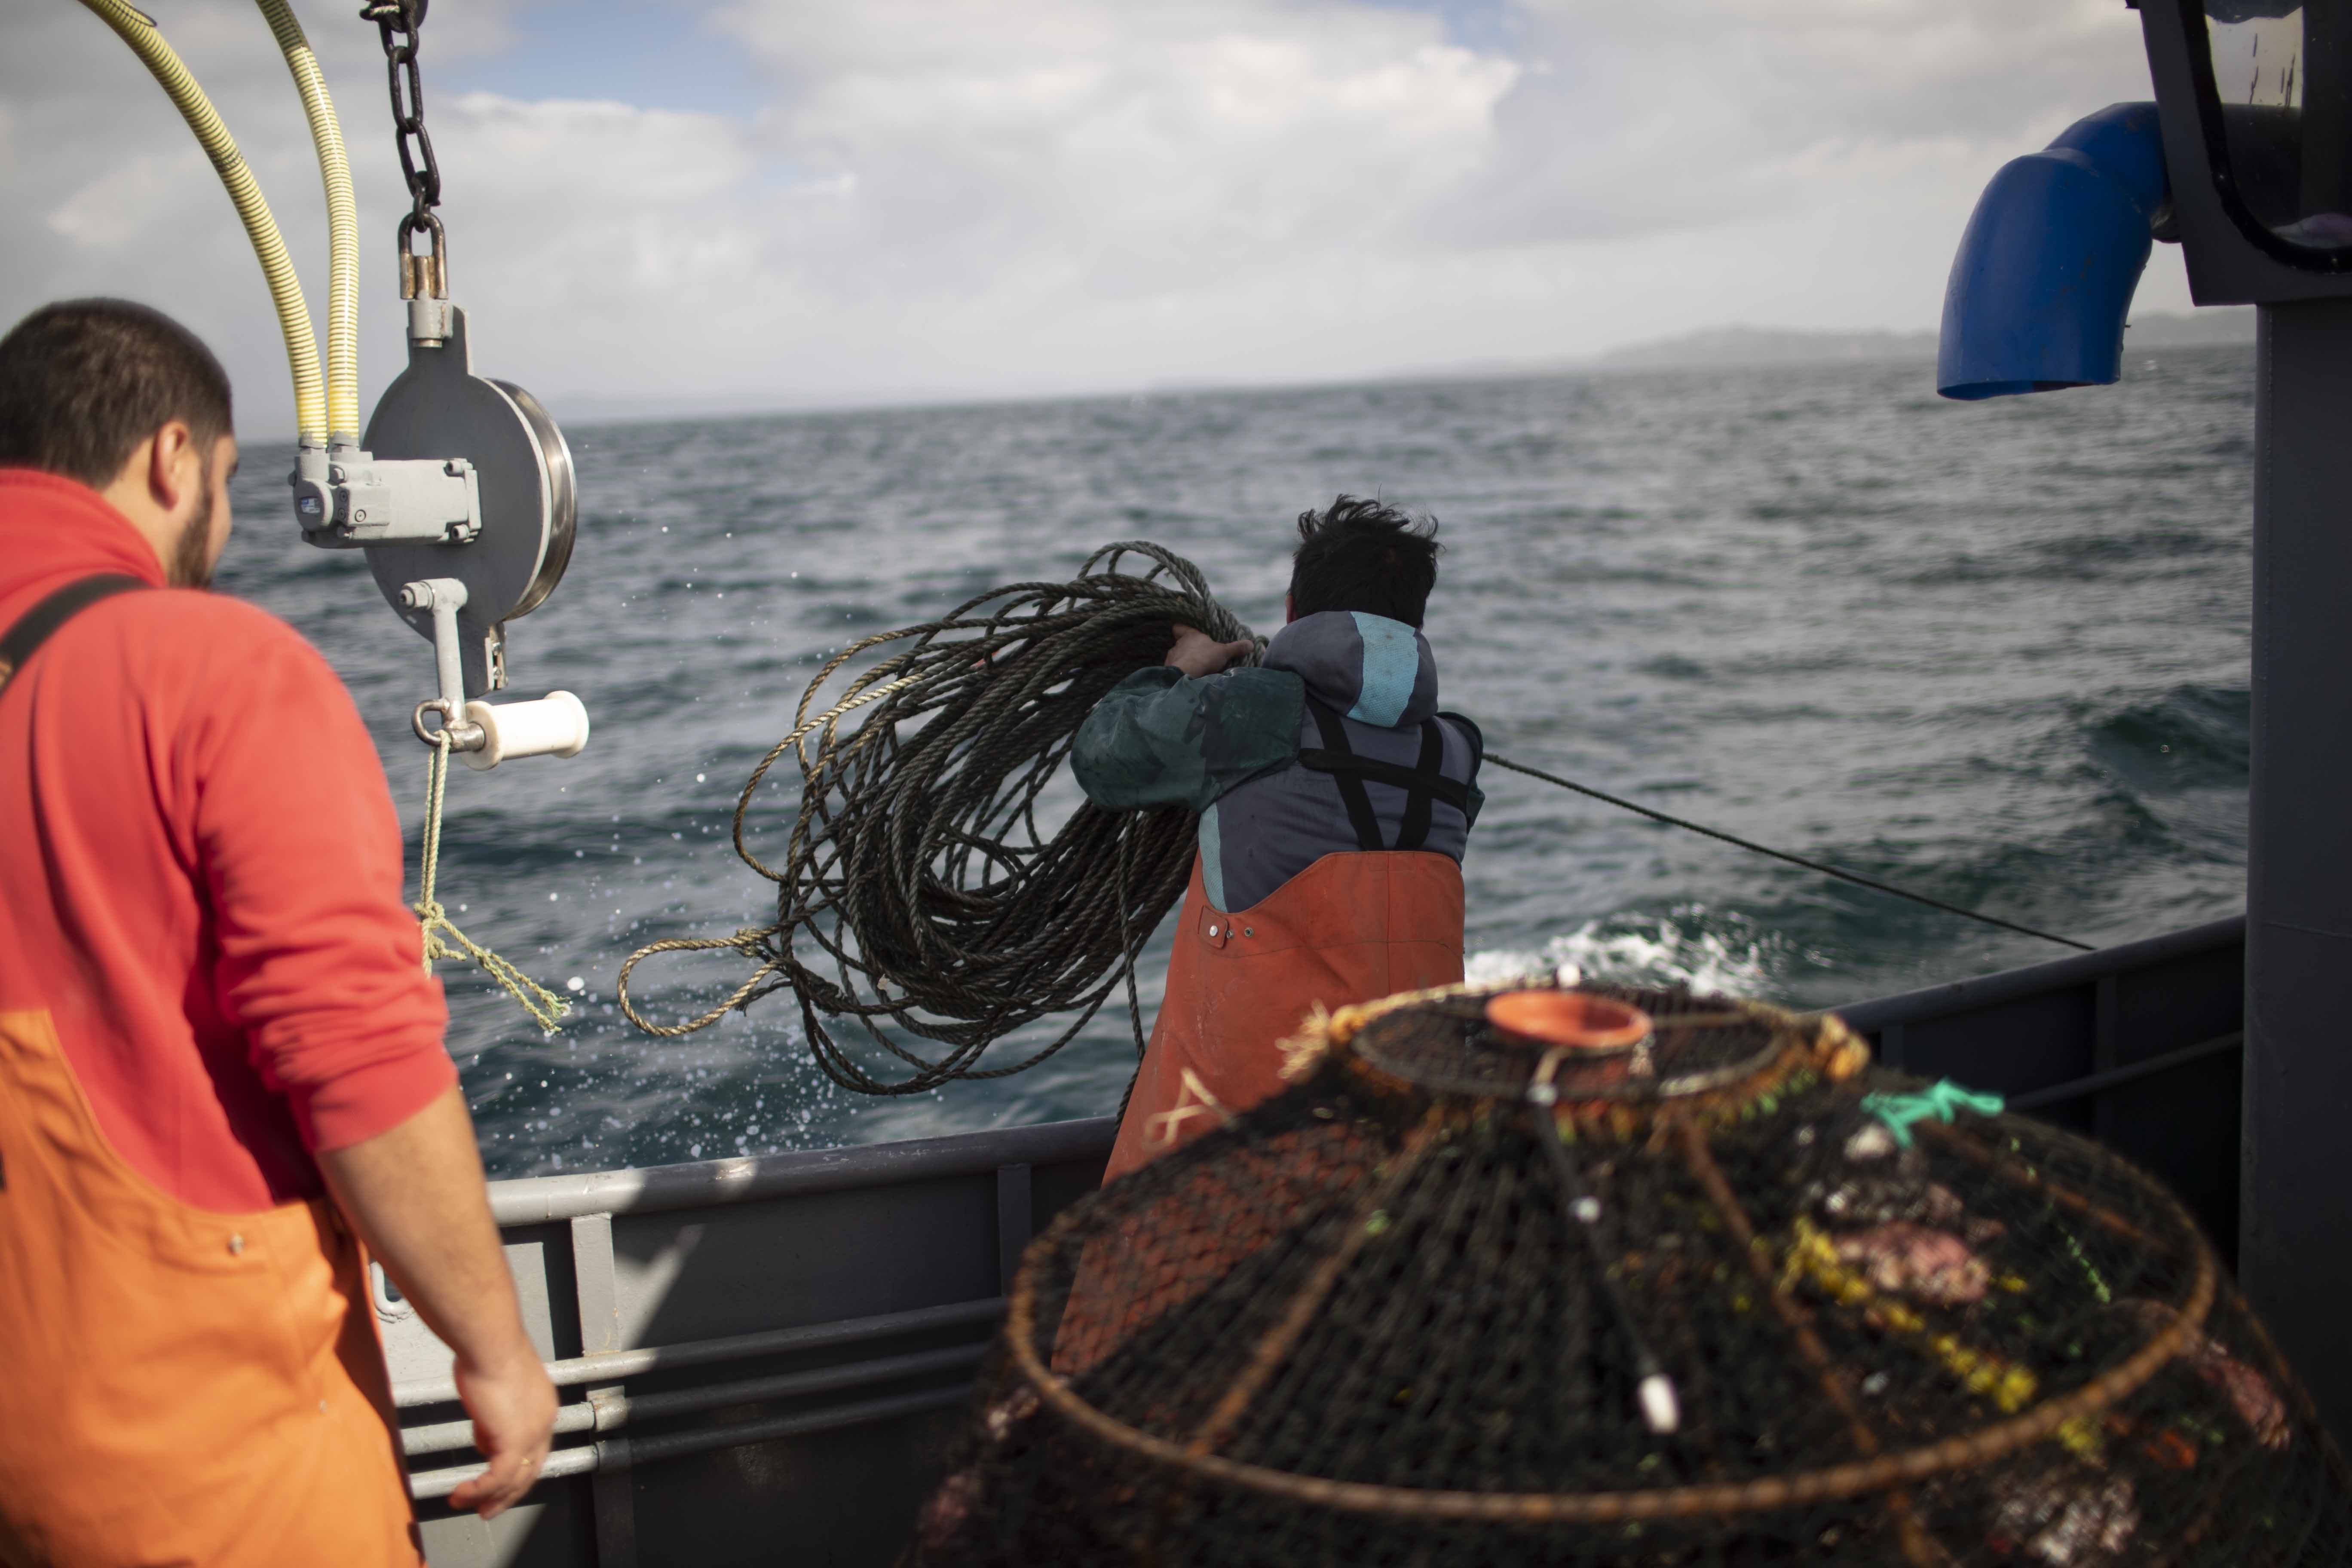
222,1077
1335,802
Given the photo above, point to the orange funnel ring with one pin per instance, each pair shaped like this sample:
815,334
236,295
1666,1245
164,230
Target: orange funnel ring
1579,1020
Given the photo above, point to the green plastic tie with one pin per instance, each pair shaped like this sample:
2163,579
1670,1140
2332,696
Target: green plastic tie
1942,1101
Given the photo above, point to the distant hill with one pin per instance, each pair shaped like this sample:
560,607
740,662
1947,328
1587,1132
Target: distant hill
1775,345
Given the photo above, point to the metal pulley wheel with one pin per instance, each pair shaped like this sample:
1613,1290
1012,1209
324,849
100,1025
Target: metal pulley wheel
439,409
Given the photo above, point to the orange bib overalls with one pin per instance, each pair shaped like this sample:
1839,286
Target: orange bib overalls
177,1386
1350,927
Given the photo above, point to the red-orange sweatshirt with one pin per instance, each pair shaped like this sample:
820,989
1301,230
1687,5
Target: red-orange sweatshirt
200,873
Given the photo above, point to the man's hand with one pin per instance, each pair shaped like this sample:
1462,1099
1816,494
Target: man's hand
513,1407
1197,653
416,1195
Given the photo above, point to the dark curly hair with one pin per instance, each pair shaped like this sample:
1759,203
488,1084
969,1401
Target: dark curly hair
1361,556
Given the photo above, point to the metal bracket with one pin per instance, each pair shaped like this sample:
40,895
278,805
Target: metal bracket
444,597
349,499
390,1306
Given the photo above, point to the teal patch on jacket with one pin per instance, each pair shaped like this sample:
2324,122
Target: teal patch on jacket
1212,860
1391,663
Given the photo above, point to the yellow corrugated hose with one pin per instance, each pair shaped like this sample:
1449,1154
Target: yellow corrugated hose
146,40
342,223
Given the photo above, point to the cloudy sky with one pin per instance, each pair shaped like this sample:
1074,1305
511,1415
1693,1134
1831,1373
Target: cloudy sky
781,203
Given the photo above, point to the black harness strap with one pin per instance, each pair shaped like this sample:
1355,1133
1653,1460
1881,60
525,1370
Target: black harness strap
1413,831
1333,759
43,619
1422,783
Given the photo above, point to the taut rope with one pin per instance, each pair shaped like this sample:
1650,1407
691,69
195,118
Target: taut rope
1755,849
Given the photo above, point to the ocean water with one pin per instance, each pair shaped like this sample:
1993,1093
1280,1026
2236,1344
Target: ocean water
1994,652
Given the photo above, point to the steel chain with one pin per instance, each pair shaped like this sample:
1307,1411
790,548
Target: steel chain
398,21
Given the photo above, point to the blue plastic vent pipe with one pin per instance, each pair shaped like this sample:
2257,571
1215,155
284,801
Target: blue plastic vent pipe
2046,269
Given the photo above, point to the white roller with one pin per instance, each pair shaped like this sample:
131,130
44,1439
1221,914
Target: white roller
555,726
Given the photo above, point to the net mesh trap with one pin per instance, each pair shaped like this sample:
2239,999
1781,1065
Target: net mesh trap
1630,1275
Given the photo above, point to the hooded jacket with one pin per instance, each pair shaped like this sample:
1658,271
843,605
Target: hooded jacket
1243,748
200,873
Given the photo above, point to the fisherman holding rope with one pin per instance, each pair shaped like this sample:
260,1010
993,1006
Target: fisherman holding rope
1335,804
222,1077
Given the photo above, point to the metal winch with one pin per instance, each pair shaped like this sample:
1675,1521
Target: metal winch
459,544
462,492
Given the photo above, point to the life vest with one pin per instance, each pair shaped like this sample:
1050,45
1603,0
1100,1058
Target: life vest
177,1386
1350,927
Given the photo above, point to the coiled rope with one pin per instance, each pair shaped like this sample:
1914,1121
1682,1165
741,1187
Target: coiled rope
918,889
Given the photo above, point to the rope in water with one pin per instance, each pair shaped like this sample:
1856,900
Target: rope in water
542,1004
919,896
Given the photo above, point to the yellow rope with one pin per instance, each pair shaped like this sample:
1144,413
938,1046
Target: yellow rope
748,940
542,1004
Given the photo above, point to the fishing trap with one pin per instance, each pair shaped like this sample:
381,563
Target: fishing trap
1631,1276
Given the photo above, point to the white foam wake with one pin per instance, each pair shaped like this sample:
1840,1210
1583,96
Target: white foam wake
1640,950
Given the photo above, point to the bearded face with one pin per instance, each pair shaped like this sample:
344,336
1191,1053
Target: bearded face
192,555
196,552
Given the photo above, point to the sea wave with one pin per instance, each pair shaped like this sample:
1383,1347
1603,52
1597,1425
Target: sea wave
1993,653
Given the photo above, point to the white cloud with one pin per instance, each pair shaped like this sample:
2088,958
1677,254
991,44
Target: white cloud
1115,151
941,197
120,205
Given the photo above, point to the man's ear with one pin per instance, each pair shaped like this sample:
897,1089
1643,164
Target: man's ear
1288,615
175,469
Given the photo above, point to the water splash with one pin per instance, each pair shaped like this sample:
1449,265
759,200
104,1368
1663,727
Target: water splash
1691,947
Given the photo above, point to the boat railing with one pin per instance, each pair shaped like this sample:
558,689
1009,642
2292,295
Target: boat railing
2139,1046
828,1307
